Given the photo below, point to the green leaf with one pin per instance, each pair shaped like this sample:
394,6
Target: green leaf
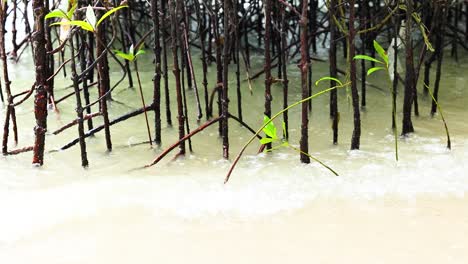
83,24
140,52
71,12
126,56
372,70
108,13
381,51
90,16
56,13
328,78
368,58
264,141
270,128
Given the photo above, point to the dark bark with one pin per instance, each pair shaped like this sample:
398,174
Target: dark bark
164,36
191,71
409,79
14,31
246,33
49,57
79,109
237,50
183,89
284,71
267,66
395,72
10,109
365,23
176,70
6,131
455,17
90,55
1,94
466,22
333,73
304,142
75,122
202,34
313,9
85,86
126,39
157,72
40,98
311,37
227,7
356,137
427,71
219,64
259,23
103,79
185,20
440,55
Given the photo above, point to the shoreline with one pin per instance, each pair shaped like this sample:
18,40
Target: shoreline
426,229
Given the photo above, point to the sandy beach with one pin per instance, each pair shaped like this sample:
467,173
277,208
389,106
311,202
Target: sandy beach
388,230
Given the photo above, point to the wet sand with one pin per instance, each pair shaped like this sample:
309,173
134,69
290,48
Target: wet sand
420,230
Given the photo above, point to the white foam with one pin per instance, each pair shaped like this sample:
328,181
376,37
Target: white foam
257,188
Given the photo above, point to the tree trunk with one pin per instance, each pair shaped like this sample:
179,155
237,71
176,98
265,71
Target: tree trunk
333,73
267,66
227,7
409,80
304,143
176,71
79,109
157,72
356,137
103,79
40,98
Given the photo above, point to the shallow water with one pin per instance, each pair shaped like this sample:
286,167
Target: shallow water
274,208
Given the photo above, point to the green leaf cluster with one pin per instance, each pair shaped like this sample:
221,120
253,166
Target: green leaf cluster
131,55
88,24
383,59
269,130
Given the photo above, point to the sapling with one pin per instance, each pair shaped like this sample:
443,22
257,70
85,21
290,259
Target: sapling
383,61
272,129
91,24
132,56
272,137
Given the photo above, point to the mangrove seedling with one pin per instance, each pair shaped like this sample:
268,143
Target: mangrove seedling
132,56
88,24
273,117
91,24
270,130
385,66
